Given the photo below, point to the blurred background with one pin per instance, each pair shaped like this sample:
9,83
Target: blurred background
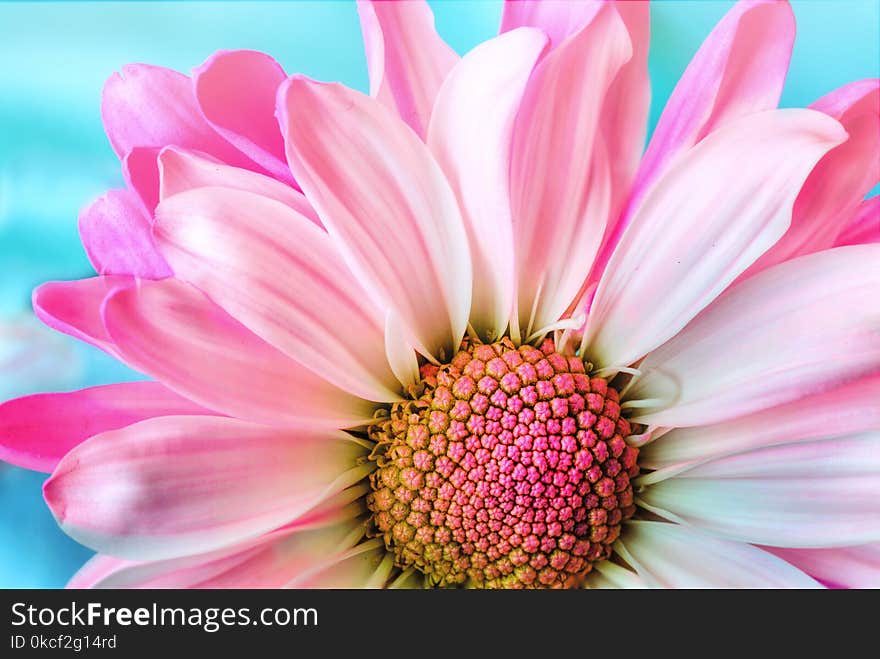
55,158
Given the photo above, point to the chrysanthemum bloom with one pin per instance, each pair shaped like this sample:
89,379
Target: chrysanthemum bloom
462,332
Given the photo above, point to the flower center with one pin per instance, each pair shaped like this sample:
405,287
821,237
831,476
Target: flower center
509,470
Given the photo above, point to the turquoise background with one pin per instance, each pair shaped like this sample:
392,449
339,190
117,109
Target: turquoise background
54,157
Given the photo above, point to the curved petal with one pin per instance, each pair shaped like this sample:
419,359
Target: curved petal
181,170
235,90
115,232
407,59
717,209
852,567
606,574
839,182
864,226
270,561
674,556
281,276
172,332
401,356
470,136
822,493
560,175
802,327
151,106
74,308
37,431
385,200
740,69
558,19
174,486
141,172
367,565
847,409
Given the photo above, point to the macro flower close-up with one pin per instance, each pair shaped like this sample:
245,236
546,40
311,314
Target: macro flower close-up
473,328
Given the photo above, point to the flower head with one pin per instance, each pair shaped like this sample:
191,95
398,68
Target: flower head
461,331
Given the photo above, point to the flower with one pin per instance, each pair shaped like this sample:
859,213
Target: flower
463,332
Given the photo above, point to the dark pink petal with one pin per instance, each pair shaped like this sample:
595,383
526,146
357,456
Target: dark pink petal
151,106
115,231
864,226
37,431
835,188
236,91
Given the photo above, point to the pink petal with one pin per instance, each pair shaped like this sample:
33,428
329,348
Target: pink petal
560,177
839,182
174,486
822,493
37,431
74,308
235,90
181,170
282,277
367,565
847,409
150,106
717,209
141,172
739,69
864,226
607,575
385,201
675,556
115,232
172,332
800,328
407,59
852,567
269,561
470,136
559,19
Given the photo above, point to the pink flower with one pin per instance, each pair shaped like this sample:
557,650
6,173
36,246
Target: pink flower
463,331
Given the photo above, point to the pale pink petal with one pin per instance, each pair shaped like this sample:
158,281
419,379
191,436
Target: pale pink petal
172,332
151,106
839,182
282,277
385,200
739,69
270,561
181,170
141,172
74,308
407,59
802,327
115,232
864,226
367,565
718,208
847,409
606,574
470,136
558,19
173,486
852,567
560,175
401,356
235,90
675,556
823,493
36,431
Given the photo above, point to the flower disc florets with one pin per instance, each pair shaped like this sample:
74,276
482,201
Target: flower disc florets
508,470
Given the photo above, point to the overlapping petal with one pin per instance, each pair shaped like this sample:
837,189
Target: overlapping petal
141,492
385,200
